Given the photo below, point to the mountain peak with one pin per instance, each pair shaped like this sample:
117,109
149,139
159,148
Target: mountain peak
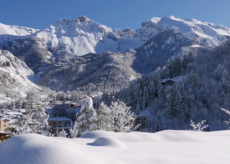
83,19
174,17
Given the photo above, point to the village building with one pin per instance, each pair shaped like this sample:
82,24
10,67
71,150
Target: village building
4,124
59,123
4,129
168,82
73,106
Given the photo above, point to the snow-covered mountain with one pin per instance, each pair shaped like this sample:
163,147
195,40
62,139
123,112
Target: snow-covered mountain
166,45
8,30
79,44
15,76
101,71
208,33
81,36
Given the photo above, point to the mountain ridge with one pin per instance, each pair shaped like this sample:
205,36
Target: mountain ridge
87,46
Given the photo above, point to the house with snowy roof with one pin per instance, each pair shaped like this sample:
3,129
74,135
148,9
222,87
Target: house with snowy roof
73,105
167,82
59,123
172,80
4,129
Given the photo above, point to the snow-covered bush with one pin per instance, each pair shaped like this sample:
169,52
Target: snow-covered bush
199,126
33,122
62,133
117,117
228,112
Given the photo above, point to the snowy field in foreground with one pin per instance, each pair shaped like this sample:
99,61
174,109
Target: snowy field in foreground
166,147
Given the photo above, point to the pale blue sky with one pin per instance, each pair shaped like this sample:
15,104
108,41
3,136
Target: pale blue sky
113,13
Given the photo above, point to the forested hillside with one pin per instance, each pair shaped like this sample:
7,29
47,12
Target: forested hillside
201,88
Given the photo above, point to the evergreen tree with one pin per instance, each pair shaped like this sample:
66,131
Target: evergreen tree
226,81
138,108
103,120
86,120
171,107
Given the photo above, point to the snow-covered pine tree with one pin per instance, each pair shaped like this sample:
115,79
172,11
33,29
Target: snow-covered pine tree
179,113
138,108
86,119
170,69
177,67
171,108
103,117
179,101
226,80
144,99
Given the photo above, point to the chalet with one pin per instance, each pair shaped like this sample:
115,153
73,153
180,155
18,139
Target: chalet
73,106
4,129
60,123
167,82
4,124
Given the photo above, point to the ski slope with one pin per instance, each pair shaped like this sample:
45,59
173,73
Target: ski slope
166,147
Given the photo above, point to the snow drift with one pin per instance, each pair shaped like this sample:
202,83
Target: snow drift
107,141
163,148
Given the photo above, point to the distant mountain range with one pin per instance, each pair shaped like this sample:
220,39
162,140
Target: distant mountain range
78,53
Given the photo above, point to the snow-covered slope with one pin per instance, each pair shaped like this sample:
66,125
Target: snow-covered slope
15,76
82,35
166,147
15,30
101,71
166,45
208,33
